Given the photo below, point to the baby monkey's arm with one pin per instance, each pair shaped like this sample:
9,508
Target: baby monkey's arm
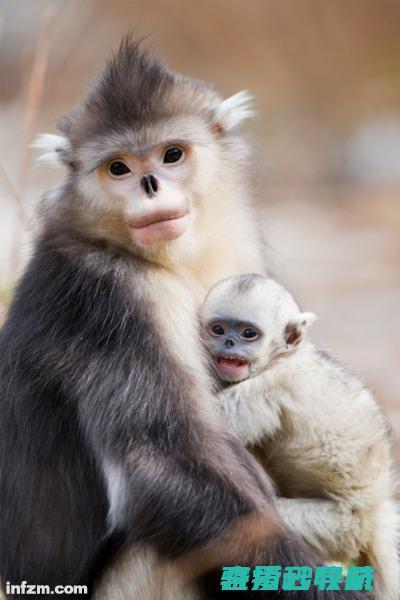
252,412
248,411
331,528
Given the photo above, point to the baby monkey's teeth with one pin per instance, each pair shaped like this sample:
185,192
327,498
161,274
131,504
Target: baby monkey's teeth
237,362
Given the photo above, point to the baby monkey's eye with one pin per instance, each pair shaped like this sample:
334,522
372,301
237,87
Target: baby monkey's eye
173,154
249,334
117,168
216,329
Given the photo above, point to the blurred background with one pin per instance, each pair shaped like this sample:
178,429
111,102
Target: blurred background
326,79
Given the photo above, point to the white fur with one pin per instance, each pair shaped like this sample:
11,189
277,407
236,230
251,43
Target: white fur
234,110
324,441
250,419
117,491
305,319
51,148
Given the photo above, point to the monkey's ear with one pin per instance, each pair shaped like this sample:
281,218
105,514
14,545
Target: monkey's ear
233,111
296,328
53,149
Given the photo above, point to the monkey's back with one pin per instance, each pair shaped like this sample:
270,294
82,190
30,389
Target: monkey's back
333,433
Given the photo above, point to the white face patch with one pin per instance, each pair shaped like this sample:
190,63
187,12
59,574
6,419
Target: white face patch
163,214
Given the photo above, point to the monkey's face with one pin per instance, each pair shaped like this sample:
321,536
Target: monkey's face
151,190
239,328
151,183
249,321
235,347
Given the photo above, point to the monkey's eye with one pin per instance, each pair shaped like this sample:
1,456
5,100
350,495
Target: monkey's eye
216,329
117,168
249,334
172,155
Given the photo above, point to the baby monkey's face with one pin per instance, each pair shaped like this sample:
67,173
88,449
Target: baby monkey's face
235,347
248,322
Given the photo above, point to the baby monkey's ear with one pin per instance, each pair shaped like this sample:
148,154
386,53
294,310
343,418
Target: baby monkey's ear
296,328
232,112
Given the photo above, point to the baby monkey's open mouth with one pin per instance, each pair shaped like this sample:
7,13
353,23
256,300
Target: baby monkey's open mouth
234,362
232,368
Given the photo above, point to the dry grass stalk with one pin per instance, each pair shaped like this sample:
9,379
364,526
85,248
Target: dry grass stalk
34,97
35,94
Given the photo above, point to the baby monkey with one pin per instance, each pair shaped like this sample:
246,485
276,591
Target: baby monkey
314,426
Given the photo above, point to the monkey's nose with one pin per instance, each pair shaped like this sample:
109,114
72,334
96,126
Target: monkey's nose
150,185
229,343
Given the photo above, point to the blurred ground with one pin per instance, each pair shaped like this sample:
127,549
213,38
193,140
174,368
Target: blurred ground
326,79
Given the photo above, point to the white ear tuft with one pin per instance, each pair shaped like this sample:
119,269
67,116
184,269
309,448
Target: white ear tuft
296,328
306,319
52,148
232,111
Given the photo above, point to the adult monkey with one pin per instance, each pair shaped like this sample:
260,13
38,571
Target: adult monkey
106,439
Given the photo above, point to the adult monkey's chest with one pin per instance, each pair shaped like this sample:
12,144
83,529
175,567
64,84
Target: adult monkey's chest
175,306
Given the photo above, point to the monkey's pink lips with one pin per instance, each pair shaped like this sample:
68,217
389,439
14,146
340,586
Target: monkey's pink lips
160,226
231,368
